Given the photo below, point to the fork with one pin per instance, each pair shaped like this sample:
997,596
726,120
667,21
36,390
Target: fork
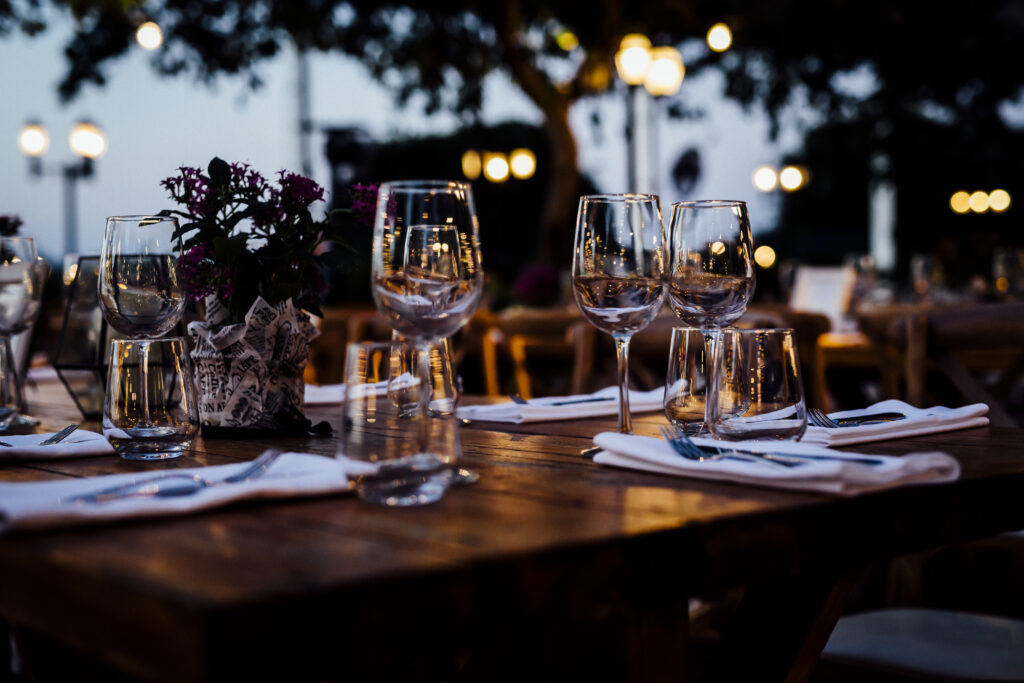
820,419
187,484
684,446
59,436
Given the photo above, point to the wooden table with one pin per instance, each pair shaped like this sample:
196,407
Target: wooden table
551,567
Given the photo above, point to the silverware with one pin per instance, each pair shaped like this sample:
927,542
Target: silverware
4,443
684,446
589,453
178,484
516,398
59,436
582,400
820,419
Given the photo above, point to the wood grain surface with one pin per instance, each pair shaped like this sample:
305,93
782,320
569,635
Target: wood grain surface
547,555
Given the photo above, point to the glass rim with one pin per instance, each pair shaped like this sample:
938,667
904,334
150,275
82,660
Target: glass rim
425,184
733,330
141,217
700,203
17,238
152,340
621,197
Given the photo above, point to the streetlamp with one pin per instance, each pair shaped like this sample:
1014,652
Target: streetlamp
660,70
88,143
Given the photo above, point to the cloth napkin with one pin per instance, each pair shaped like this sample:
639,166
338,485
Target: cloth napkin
544,409
79,444
43,504
334,394
843,478
324,394
918,421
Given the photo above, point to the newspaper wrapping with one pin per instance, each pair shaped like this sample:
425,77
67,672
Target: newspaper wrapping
247,372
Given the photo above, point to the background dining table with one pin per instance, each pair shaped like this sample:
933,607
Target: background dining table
551,567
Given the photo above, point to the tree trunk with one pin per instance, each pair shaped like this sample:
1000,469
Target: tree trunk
558,218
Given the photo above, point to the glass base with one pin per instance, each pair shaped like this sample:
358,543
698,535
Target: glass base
151,443
151,455
421,479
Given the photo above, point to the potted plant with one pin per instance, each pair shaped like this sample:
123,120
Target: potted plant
255,258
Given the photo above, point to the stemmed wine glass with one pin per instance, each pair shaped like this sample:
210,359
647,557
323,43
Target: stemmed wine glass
711,272
22,276
140,291
618,272
426,269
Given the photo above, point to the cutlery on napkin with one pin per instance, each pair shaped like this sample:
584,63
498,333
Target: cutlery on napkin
80,443
548,408
918,421
65,502
838,474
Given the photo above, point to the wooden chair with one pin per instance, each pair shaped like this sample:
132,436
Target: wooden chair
523,339
976,349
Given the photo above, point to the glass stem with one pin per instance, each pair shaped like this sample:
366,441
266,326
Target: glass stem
423,365
12,367
622,354
714,376
144,381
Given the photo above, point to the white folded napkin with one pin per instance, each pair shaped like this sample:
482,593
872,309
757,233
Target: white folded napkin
829,476
79,444
548,408
334,394
39,504
918,421
324,394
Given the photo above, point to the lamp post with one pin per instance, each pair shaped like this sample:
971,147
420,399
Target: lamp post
88,143
660,70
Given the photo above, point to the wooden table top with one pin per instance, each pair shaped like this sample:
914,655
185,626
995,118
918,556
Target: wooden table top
227,591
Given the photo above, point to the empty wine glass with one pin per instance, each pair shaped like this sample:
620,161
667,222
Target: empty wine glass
140,292
618,272
711,270
426,271
22,276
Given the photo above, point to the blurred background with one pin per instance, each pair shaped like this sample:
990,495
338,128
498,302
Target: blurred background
885,137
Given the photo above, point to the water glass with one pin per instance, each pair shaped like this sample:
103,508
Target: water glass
376,430
404,378
770,389
161,420
687,381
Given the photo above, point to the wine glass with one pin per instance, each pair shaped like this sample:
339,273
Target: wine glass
618,272
140,292
22,276
426,270
711,272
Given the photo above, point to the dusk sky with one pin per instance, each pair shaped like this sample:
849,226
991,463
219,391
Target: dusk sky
155,124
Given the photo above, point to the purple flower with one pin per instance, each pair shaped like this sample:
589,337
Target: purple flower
364,202
298,189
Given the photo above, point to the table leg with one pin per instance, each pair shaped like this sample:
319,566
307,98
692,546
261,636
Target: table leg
779,629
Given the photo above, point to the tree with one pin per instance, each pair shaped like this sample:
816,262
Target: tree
918,58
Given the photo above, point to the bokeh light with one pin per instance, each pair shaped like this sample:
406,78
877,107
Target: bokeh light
999,200
471,164
495,167
633,59
523,163
567,40
978,201
33,139
666,72
791,178
765,178
764,256
960,202
149,35
719,37
87,140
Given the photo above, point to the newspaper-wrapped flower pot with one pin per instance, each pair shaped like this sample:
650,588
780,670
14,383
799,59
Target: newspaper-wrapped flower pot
249,375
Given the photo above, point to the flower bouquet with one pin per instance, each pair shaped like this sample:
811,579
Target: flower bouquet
255,258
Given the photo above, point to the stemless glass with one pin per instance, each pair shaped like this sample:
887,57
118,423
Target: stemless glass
618,272
772,393
140,292
22,276
426,271
711,270
150,409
